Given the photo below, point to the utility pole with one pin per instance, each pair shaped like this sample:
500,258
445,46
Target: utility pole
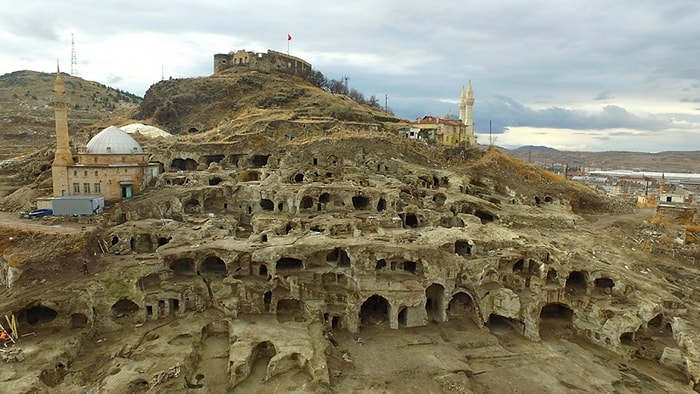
73,58
386,103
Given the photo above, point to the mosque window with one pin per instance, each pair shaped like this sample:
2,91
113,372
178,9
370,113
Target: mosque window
75,173
85,174
76,187
86,187
95,173
98,189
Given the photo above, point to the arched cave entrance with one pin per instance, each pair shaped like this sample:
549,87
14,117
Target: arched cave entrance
381,265
267,205
556,321
501,325
306,202
78,320
290,310
288,264
124,308
149,282
183,267
360,202
298,178
461,307
463,248
576,285
381,204
36,315
260,359
374,310
259,161
192,206
410,220
603,286
267,300
435,302
338,256
214,265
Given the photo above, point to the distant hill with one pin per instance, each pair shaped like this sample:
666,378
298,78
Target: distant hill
534,148
27,115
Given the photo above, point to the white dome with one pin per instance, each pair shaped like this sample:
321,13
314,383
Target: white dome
113,140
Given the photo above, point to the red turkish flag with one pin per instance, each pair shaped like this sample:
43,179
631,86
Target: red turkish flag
289,37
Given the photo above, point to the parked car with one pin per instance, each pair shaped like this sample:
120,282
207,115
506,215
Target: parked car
38,213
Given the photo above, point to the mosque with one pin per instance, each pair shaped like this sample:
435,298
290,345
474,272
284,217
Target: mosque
448,132
112,165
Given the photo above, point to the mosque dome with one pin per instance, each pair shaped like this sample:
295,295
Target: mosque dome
113,140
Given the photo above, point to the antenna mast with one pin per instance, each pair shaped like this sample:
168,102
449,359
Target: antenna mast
73,58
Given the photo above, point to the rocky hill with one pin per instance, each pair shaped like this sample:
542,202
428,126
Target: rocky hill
295,243
26,111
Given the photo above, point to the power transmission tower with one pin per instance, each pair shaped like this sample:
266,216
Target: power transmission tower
73,58
345,78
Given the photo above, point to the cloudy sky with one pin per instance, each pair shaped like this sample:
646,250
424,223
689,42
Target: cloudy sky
574,75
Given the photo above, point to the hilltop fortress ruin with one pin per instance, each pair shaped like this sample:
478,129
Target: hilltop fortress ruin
270,61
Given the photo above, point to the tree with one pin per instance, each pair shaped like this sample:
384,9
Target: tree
336,87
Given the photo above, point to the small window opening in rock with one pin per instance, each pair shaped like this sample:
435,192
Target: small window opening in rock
263,238
381,205
307,202
267,300
329,175
410,266
192,130
484,216
262,270
288,263
627,338
299,178
163,241
214,181
267,205
604,283
149,310
537,200
288,229
463,248
360,202
259,161
115,240
548,199
280,206
336,323
518,267
381,264
657,321
436,182
315,161
324,198
174,305
78,320
552,276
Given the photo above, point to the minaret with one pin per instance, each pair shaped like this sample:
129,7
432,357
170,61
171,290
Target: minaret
469,103
63,156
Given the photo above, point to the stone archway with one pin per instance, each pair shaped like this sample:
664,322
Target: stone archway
556,320
462,307
435,302
374,311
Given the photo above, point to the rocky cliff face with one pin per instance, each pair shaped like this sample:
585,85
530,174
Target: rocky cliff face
285,254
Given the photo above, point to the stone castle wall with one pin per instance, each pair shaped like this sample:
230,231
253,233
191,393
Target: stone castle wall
270,61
